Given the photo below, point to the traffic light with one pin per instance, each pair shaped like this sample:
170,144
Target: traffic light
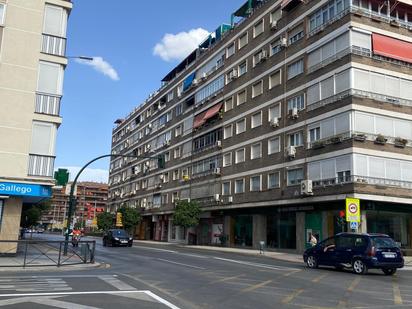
161,161
341,218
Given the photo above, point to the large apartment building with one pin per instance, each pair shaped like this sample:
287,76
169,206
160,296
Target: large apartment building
273,122
32,62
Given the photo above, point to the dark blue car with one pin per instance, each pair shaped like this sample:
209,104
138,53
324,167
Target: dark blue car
357,251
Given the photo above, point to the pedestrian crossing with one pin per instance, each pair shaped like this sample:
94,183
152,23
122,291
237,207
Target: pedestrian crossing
33,284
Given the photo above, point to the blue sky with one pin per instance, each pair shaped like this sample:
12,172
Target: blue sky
124,36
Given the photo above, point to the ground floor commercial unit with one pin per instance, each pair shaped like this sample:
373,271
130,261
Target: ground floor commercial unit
286,227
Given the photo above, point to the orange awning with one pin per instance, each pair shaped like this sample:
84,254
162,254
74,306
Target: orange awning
199,119
391,48
213,111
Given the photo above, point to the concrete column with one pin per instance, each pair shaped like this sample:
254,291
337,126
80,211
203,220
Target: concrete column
259,230
227,225
10,224
300,232
325,225
363,226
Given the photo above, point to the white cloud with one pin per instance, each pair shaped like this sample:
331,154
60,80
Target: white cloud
102,66
178,46
89,174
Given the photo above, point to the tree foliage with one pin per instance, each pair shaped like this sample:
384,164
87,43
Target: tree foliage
31,215
186,214
105,220
130,217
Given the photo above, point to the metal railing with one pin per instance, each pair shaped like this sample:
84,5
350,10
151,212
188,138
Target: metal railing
362,180
53,45
42,253
41,165
47,104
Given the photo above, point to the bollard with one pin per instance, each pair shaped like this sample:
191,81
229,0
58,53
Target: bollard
262,247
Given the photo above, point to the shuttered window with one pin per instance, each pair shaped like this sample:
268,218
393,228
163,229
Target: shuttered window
43,135
55,20
50,78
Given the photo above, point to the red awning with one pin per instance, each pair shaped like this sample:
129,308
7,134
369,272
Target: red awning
391,48
213,111
199,119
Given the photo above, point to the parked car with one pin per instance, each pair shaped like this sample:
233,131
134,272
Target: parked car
357,251
117,237
40,230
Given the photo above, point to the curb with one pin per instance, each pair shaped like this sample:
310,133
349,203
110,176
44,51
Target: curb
54,268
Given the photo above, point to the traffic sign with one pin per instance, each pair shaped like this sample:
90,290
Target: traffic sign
352,210
119,218
354,225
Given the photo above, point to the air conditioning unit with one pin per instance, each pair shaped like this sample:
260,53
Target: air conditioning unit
291,151
306,187
216,171
263,55
195,82
161,176
121,194
219,144
149,125
295,113
283,42
233,74
158,186
230,199
135,170
204,76
217,197
127,129
274,25
274,122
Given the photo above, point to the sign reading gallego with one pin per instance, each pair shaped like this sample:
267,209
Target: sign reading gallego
23,189
352,210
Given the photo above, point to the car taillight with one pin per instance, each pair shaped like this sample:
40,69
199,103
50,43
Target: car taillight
372,251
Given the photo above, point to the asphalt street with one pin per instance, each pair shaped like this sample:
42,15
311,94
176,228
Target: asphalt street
160,276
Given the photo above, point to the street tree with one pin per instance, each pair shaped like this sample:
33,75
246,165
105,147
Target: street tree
105,220
31,215
186,214
130,217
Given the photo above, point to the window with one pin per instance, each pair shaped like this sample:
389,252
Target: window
176,152
167,156
210,89
258,28
170,96
227,159
295,68
256,183
314,134
296,139
275,47
2,13
343,176
239,186
166,177
229,104
242,40
207,140
274,112
178,130
274,180
43,137
257,89
275,79
241,97
240,156
226,188
178,109
55,20
256,151
275,15
295,34
241,126
242,68
256,120
297,102
228,131
176,174
274,145
175,196
295,176
230,50
327,12
50,79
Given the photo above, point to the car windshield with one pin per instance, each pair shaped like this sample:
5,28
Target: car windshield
383,242
119,233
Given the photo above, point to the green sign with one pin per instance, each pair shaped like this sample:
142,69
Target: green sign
61,176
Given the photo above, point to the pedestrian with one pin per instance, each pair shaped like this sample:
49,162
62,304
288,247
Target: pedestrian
313,241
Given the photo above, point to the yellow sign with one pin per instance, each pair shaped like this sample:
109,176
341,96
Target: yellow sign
352,210
119,219
94,222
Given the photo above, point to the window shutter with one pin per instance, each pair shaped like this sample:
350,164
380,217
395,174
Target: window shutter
384,126
328,169
55,21
42,139
327,88
342,81
314,171
313,94
49,80
364,123
361,39
343,163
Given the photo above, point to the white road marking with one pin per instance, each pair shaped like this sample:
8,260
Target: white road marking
118,284
20,284
181,264
161,300
156,249
194,255
267,266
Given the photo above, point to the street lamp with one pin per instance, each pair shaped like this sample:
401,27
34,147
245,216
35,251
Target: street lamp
72,200
81,58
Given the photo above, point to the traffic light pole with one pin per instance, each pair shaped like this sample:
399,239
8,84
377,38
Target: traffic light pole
72,198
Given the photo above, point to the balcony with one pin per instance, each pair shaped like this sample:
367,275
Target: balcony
53,45
47,104
41,165
362,180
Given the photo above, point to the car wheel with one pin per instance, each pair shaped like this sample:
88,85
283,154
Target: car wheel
359,267
389,271
312,262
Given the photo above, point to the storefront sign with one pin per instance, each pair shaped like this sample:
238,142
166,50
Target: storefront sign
23,189
352,210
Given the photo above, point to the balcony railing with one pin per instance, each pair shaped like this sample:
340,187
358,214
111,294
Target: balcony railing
47,104
41,165
362,180
53,45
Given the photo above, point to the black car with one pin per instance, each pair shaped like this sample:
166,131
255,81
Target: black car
117,237
357,251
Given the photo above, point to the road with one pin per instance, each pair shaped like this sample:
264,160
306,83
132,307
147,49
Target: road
160,276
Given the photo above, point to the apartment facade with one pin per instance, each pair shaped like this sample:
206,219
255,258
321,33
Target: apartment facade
273,122
32,62
91,200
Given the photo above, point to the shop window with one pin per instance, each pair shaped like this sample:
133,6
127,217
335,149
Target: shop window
281,230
